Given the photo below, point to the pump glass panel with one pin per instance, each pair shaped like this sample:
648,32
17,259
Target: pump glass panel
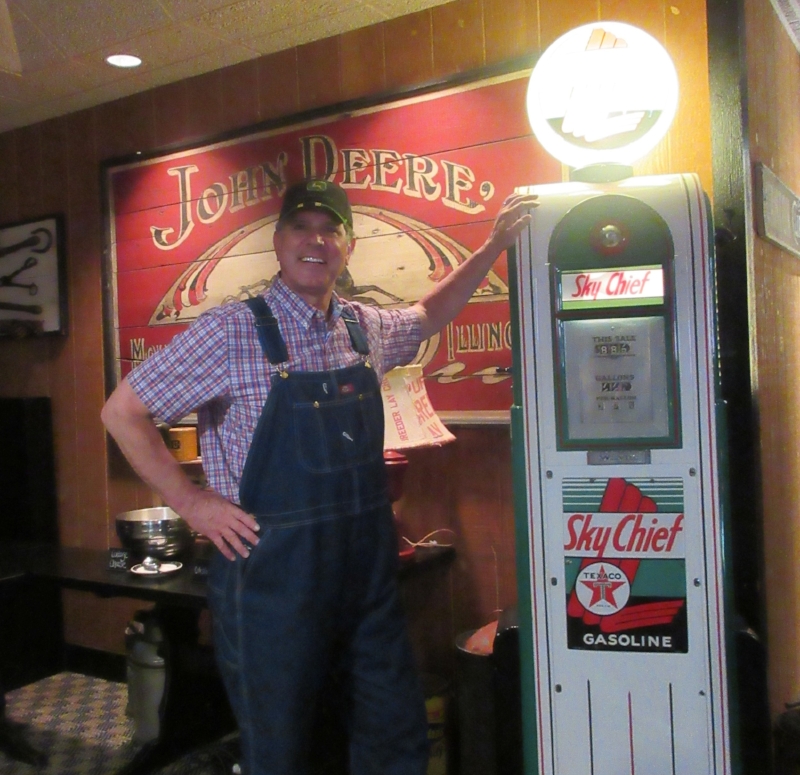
616,389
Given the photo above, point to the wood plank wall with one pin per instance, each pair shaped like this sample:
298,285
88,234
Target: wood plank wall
773,86
53,167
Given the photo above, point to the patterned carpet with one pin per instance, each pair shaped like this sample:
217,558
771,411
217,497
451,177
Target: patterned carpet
80,724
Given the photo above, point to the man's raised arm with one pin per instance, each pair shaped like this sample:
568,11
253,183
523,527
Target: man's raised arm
437,308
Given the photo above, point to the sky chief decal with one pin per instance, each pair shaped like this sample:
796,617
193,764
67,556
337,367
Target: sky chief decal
625,567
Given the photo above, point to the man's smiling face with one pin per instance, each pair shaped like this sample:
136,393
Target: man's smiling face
312,247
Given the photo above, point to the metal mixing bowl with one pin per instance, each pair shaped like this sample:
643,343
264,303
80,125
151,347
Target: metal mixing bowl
155,532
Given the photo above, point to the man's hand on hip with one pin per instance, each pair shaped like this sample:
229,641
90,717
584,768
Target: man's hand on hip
225,524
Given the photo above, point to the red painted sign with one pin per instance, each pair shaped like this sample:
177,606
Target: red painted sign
425,176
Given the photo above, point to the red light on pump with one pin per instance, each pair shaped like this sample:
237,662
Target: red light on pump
608,238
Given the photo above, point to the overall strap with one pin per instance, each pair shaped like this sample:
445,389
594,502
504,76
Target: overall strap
269,334
357,336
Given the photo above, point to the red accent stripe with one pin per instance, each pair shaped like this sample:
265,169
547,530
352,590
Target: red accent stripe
640,624
644,615
631,498
630,733
613,495
648,505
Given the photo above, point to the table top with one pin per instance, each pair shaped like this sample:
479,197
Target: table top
87,569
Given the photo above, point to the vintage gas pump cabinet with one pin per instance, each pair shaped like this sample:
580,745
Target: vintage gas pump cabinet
617,482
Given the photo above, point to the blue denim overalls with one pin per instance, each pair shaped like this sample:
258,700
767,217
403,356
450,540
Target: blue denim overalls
318,595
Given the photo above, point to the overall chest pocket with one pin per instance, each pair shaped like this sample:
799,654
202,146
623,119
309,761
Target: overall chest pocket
339,434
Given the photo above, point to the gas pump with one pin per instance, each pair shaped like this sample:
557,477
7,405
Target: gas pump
617,474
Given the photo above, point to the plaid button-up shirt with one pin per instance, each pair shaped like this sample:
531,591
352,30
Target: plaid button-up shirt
216,367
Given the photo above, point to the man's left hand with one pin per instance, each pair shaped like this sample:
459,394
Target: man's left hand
513,217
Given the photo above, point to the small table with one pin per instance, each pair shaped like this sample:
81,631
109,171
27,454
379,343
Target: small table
194,709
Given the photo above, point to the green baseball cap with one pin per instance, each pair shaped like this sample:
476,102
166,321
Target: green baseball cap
314,194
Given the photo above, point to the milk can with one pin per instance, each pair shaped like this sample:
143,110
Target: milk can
146,671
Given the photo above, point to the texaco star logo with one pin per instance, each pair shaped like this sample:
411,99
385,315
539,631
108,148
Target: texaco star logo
602,588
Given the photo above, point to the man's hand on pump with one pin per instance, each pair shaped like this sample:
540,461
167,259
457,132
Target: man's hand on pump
511,219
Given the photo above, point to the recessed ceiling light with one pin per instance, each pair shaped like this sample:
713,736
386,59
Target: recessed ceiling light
123,60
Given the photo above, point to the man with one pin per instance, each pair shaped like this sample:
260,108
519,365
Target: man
287,391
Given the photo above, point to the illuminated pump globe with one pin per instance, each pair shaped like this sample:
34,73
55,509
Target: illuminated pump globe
602,93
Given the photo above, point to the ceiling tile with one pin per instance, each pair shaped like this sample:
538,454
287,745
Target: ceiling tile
10,86
184,9
391,9
301,33
41,86
176,71
35,49
246,17
160,47
62,43
86,25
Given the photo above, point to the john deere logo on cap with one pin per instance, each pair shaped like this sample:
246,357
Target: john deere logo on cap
317,185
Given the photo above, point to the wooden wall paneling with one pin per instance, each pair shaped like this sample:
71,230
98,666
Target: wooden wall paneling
658,161
648,15
788,122
126,491
169,102
97,623
363,62
645,14
29,170
458,41
240,98
82,174
408,46
125,126
477,585
778,289
25,366
204,114
511,29
760,99
54,194
427,601
686,40
90,388
79,393
473,586
9,200
319,78
773,80
429,492
82,227
65,441
507,568
466,487
278,85
777,104
557,18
